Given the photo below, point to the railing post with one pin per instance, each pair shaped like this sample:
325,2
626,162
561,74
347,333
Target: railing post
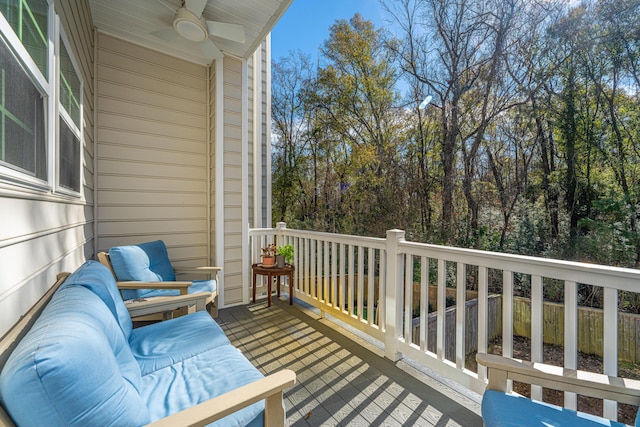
280,227
393,295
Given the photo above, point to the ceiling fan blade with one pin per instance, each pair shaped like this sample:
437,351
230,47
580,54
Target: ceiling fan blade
225,30
167,34
195,6
210,50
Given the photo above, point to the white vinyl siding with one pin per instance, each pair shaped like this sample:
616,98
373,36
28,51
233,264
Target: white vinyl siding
152,150
43,234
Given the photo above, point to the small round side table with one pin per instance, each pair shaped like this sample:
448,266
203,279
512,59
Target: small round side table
272,272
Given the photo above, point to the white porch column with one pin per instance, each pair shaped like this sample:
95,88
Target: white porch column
393,295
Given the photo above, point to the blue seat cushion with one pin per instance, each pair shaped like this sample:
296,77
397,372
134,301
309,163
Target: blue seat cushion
73,368
512,410
199,378
161,344
208,286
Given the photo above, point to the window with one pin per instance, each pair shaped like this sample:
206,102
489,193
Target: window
69,133
40,100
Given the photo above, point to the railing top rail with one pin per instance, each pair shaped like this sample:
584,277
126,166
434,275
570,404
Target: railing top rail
370,242
614,277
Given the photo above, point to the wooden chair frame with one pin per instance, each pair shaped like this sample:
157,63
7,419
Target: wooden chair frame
501,369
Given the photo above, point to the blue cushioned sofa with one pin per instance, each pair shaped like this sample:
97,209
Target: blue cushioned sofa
75,359
503,409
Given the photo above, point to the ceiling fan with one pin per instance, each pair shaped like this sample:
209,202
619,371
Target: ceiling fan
190,25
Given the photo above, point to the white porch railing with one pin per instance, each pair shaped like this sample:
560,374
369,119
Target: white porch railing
370,284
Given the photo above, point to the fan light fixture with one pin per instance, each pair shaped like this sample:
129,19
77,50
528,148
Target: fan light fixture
190,26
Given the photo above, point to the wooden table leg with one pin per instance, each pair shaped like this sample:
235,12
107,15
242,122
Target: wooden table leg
254,287
279,286
269,290
291,288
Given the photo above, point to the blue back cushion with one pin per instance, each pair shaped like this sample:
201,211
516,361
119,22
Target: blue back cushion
147,262
73,368
99,280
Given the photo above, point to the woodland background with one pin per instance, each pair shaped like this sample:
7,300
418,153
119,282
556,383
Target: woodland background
530,143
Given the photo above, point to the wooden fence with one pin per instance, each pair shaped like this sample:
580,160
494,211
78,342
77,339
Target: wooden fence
590,328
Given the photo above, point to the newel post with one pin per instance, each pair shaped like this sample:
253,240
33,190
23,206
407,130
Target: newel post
393,295
280,227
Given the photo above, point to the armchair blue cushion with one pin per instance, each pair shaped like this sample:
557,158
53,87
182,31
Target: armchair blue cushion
511,410
149,262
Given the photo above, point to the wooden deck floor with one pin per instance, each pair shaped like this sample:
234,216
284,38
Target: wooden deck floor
342,380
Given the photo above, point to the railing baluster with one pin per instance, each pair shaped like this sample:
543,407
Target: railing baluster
360,294
424,302
507,313
483,316
408,294
314,269
382,290
326,274
371,280
334,275
570,336
536,328
610,342
461,279
307,268
507,317
341,276
442,302
352,273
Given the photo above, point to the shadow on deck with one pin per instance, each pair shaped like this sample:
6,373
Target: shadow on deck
342,380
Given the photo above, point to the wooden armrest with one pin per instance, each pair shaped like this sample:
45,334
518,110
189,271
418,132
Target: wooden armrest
153,285
143,306
501,369
203,269
271,388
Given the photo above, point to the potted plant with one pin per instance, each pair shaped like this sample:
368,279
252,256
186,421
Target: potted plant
285,254
269,255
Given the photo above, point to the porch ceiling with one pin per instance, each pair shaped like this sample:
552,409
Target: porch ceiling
136,20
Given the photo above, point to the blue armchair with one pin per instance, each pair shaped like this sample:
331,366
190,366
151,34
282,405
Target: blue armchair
144,271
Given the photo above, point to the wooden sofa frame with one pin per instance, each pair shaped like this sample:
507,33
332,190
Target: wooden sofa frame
270,388
501,369
181,286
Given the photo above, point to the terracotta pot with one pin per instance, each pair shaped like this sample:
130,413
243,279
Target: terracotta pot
268,261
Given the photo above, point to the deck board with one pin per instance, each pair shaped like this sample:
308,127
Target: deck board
342,380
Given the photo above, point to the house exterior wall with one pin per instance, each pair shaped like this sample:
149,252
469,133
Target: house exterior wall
151,168
152,150
43,233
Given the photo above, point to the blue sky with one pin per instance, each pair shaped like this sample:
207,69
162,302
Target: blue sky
305,25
